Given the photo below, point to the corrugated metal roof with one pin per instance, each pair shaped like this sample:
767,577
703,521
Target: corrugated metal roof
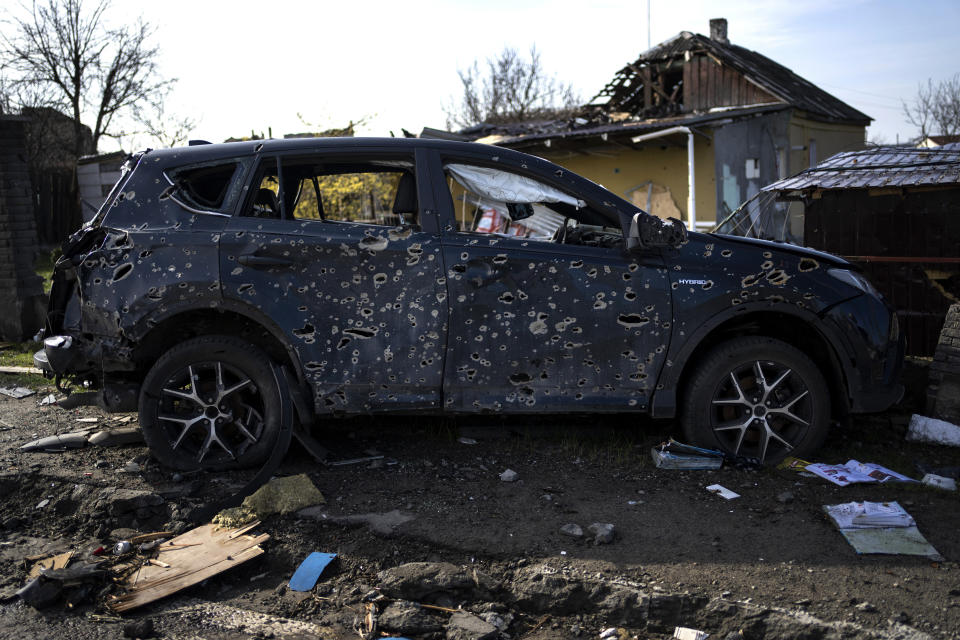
772,76
879,167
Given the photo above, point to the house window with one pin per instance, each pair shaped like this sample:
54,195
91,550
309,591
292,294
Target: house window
752,168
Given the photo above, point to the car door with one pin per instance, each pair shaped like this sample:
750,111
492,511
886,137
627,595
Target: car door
356,289
544,320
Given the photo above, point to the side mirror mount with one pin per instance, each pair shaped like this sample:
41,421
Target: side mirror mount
647,231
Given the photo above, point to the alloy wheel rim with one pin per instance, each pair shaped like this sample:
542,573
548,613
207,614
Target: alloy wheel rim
211,411
761,409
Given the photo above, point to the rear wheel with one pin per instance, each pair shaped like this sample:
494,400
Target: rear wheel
757,397
211,403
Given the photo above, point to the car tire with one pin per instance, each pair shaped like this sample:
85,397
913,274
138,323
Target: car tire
784,410
211,402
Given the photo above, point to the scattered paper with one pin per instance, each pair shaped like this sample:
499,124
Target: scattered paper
867,515
853,471
686,633
676,455
940,482
466,441
17,392
880,528
49,399
722,491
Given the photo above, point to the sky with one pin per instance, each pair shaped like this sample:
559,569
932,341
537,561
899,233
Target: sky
286,66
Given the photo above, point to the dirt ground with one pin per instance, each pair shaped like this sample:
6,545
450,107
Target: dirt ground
771,550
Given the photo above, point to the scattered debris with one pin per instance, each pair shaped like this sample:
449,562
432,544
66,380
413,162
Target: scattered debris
509,475
58,443
466,626
343,463
686,633
380,523
676,455
192,558
853,471
58,561
75,584
880,528
16,392
48,399
138,628
280,495
466,441
603,532
309,571
722,491
923,429
940,482
116,437
572,529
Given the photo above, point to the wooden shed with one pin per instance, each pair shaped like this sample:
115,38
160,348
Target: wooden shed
896,212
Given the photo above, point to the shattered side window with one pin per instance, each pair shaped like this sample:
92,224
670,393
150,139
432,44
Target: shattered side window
366,192
489,200
210,187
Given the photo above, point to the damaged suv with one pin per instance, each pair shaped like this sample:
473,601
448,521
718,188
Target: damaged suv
221,286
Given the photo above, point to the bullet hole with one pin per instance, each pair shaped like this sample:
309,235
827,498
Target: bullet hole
625,277
766,266
312,366
630,295
576,264
539,326
362,333
146,253
558,173
506,297
751,280
373,243
632,320
726,253
379,278
239,234
500,259
258,148
343,343
474,356
464,256
592,273
674,285
808,264
236,271
306,331
777,277
366,312
706,286
767,255
97,280
399,234
122,271
244,288
520,378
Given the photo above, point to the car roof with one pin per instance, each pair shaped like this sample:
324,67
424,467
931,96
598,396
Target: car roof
207,152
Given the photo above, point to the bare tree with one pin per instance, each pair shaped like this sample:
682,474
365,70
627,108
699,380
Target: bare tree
67,57
936,109
511,88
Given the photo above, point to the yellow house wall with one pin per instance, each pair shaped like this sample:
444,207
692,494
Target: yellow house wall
622,170
831,139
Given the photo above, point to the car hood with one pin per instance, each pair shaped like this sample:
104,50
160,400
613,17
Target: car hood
820,256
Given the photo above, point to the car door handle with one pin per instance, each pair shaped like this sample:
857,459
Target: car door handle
263,261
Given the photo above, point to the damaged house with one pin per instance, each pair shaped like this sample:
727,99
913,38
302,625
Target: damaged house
692,128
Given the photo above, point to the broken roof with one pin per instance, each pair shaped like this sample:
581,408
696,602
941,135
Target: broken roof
879,167
773,77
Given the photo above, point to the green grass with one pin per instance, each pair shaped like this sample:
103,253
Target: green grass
17,354
43,266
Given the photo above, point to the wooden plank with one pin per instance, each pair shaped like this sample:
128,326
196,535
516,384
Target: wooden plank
188,559
20,370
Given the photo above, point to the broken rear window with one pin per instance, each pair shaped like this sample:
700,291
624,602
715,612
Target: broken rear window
211,187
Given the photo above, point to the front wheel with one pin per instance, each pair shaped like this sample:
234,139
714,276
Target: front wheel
757,397
211,403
